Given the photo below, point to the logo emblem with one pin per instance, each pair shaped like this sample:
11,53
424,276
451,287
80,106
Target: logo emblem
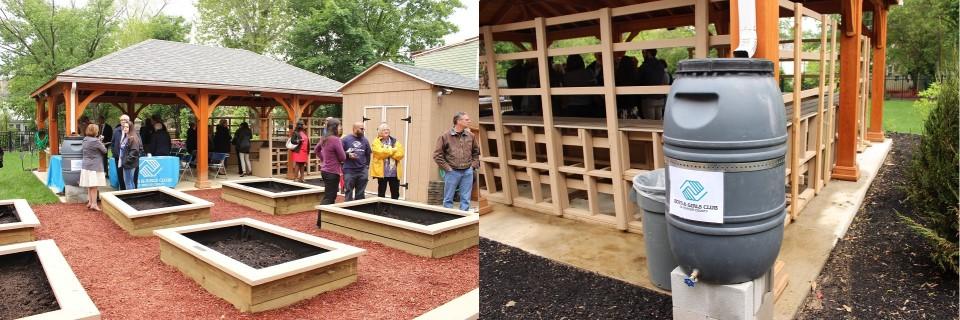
692,190
150,168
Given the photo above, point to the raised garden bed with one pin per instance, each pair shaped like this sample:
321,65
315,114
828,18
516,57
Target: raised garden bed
17,221
141,211
257,266
37,282
420,229
271,195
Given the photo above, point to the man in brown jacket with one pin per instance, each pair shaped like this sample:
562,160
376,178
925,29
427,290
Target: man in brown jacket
458,154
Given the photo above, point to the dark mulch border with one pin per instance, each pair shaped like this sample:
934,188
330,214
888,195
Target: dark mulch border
880,269
518,285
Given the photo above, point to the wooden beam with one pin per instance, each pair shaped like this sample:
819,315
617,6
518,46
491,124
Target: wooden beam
795,150
768,33
847,168
818,122
189,101
53,132
875,133
702,35
86,101
558,188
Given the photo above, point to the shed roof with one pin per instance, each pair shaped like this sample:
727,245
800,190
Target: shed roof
176,64
441,78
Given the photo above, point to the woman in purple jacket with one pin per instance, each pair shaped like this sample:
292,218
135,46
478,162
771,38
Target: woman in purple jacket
331,160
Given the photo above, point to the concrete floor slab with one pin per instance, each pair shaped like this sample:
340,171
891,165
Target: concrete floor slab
807,242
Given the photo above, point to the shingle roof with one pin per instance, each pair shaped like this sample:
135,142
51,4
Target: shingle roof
159,62
435,77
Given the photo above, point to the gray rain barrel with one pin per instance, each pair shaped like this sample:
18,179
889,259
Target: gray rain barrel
724,139
71,150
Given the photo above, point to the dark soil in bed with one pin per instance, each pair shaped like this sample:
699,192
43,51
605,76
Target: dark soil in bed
8,214
273,186
151,200
405,213
880,269
24,290
518,285
254,247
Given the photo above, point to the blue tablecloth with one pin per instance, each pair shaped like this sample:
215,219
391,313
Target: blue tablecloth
55,173
154,172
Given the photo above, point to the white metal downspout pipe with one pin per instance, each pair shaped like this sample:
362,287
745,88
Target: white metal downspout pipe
73,108
748,29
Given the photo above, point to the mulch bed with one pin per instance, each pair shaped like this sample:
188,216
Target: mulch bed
24,290
126,279
8,214
518,285
880,269
405,213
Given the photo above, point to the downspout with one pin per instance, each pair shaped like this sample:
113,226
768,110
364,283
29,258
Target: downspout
748,29
73,107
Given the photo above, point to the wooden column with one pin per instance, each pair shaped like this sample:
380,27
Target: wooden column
875,133
558,184
847,168
41,123
613,124
502,144
768,33
203,148
53,133
71,115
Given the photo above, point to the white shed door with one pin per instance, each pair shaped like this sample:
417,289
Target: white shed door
398,118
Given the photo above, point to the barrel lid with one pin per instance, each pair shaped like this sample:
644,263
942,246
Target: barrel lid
725,65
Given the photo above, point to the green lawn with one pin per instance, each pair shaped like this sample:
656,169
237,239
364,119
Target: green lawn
18,184
901,116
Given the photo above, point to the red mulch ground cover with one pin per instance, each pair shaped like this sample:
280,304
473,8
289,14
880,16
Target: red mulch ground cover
126,279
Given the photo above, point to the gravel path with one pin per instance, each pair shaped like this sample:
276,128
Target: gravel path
518,285
880,269
126,279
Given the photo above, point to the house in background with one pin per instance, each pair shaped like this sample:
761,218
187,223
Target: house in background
460,58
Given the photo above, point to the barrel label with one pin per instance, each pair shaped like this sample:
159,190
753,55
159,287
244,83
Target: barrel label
696,195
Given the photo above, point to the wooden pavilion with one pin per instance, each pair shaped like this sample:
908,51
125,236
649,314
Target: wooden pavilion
201,77
582,168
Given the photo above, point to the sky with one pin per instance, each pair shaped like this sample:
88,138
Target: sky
467,19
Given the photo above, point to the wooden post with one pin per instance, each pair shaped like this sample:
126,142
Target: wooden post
203,148
53,133
701,34
491,66
41,123
831,114
875,132
733,25
768,33
846,168
558,184
613,125
818,127
795,153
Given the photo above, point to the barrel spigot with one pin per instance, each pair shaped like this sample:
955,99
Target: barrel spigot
691,280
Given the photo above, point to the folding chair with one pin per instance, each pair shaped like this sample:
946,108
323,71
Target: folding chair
218,162
185,160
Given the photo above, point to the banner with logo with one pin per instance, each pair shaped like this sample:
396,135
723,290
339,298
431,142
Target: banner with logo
696,195
159,172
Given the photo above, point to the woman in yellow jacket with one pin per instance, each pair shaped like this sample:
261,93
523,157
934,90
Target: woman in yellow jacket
386,164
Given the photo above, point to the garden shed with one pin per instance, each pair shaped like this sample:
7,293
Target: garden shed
418,104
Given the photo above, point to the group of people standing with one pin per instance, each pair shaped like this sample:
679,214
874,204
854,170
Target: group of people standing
653,71
127,147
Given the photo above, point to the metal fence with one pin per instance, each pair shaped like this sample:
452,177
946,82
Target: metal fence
18,140
905,87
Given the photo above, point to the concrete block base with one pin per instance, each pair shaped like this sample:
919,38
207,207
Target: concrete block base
704,301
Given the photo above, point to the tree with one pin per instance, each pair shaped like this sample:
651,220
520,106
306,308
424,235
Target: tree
922,37
39,40
160,27
255,25
341,38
